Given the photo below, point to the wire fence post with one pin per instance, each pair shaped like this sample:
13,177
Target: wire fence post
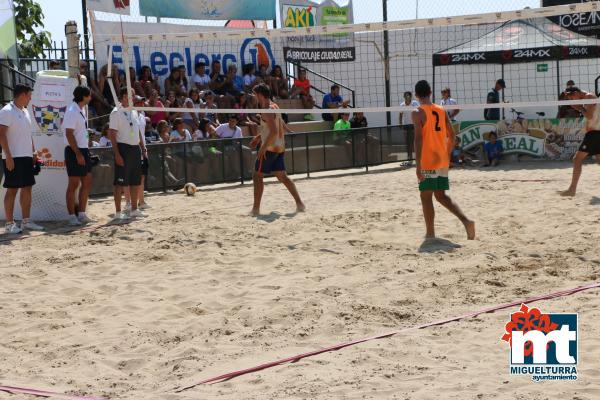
163,161
307,157
241,151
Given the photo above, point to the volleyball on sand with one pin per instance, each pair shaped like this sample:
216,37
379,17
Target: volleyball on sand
190,189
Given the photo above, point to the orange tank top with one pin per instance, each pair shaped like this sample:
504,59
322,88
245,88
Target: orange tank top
435,150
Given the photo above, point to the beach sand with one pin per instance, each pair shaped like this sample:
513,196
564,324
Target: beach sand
199,289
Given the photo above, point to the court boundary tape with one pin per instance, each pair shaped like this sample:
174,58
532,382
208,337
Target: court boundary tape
235,374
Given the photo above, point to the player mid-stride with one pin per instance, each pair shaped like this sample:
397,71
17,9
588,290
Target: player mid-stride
434,140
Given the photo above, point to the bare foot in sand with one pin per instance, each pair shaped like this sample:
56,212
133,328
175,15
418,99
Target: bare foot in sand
255,212
567,193
470,228
300,207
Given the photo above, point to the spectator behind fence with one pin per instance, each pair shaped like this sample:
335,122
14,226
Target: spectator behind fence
341,128
249,120
333,100
163,130
229,130
192,105
209,99
457,157
278,83
150,132
172,101
406,116
493,97
234,83
205,130
358,121
146,82
179,133
493,150
154,101
218,86
176,83
201,79
104,138
447,100
250,78
301,89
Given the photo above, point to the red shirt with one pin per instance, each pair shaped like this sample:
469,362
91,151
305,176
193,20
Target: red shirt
158,115
305,85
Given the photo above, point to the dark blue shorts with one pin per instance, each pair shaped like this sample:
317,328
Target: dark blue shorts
273,162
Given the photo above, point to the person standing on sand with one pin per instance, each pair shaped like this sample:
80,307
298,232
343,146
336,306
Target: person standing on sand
591,142
434,141
271,152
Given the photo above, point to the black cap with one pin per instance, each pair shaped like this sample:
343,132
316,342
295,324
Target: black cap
501,83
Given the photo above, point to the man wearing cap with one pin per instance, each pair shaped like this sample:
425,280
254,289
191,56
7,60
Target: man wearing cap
493,97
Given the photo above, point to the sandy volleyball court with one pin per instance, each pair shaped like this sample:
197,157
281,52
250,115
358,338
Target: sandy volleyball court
199,289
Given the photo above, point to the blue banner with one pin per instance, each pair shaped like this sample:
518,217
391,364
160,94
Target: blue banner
210,9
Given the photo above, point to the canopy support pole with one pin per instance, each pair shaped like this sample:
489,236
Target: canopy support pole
502,74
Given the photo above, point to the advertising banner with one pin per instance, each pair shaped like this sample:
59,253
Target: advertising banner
554,139
52,94
8,38
584,23
109,6
321,48
210,9
162,56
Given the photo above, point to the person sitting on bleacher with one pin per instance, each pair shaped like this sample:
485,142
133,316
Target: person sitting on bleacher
341,128
333,100
301,89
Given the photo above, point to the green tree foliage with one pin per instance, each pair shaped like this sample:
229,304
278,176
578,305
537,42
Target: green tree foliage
29,20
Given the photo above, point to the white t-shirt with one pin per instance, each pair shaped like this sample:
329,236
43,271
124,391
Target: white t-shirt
249,79
105,142
407,115
176,135
225,132
127,125
202,80
76,119
18,134
448,102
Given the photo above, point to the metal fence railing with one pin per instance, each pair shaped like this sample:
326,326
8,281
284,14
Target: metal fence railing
231,160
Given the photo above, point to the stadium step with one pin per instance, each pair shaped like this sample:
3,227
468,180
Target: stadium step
311,126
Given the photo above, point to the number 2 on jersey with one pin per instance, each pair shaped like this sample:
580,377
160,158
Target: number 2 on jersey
437,121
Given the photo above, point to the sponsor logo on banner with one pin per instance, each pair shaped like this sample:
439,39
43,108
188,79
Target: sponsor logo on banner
49,163
468,57
319,55
252,50
543,346
299,17
532,53
49,118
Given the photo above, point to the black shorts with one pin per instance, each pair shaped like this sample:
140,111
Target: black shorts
273,162
21,176
73,168
145,166
591,143
130,174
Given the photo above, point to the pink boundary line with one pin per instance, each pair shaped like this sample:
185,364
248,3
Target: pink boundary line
340,346
43,393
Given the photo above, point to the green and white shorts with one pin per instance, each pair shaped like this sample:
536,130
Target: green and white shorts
435,180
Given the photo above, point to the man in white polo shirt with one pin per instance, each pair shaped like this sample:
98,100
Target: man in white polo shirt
18,158
447,100
229,130
128,146
77,155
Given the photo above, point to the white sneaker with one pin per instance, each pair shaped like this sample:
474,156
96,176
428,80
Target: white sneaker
12,228
144,206
137,214
73,221
84,219
122,216
30,225
127,207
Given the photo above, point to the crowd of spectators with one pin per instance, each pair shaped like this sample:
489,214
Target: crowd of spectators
195,98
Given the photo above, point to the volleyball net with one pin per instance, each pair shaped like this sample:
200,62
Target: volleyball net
374,64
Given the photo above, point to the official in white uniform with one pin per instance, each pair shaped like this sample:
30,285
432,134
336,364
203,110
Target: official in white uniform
18,158
128,146
447,100
77,155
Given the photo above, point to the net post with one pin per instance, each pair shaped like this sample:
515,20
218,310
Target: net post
127,73
241,151
386,64
503,110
